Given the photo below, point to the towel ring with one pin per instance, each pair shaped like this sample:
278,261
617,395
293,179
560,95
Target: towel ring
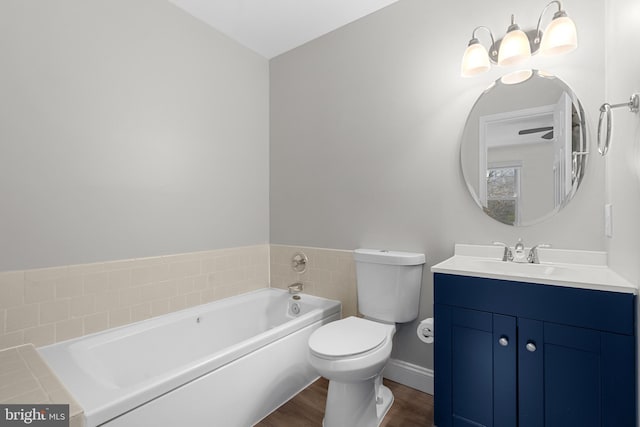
605,109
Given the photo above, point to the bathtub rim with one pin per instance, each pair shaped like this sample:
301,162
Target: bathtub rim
101,404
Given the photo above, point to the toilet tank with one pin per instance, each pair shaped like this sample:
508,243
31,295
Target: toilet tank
388,284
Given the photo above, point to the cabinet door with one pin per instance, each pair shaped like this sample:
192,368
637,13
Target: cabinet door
571,376
588,377
475,368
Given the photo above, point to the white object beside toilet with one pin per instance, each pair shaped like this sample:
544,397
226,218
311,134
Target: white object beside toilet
351,353
425,330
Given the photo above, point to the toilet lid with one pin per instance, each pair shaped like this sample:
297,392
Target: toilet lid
348,337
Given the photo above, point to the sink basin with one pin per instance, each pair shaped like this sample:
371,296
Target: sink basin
583,269
516,269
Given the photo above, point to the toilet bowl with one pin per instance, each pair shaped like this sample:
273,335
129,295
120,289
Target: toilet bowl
352,349
352,353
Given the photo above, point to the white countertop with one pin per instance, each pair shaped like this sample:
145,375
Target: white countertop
558,267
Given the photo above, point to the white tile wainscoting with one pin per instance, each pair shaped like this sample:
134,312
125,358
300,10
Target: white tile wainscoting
44,306
330,273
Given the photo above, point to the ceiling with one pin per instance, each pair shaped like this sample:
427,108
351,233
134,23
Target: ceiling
272,27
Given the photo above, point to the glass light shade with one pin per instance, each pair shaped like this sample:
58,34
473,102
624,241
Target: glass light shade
475,60
559,37
514,48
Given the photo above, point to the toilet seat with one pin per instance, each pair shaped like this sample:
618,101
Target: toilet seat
349,337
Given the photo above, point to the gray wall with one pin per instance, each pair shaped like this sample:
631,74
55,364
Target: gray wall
365,129
127,129
623,161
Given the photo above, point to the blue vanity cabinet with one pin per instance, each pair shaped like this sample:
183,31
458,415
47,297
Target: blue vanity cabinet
529,355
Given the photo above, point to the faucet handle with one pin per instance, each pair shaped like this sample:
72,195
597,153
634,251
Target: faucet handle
507,255
532,258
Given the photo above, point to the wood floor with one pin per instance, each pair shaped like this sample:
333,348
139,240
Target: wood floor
411,408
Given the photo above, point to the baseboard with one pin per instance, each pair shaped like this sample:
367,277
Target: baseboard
408,374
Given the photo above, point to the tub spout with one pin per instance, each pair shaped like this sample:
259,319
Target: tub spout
295,288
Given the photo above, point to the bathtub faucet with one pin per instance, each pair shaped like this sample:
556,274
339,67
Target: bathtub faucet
295,288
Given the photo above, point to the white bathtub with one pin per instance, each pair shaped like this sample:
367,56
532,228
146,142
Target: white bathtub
227,363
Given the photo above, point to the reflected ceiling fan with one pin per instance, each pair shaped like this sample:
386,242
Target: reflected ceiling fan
548,129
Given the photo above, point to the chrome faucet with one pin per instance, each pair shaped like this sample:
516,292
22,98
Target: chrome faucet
507,255
518,252
532,258
295,288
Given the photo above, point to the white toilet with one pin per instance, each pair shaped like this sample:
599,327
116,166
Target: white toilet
351,353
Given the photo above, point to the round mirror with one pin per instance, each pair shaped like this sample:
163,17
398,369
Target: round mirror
524,148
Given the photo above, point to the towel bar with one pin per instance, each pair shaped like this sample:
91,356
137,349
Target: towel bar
634,107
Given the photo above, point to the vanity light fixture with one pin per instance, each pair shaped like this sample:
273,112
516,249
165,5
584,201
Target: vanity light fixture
476,59
517,46
560,36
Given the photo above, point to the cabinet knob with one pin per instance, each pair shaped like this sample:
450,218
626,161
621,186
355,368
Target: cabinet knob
503,341
531,346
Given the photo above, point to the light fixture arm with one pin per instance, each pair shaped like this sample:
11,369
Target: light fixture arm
513,26
538,33
492,51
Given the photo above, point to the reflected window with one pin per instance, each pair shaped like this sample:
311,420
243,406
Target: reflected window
503,193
